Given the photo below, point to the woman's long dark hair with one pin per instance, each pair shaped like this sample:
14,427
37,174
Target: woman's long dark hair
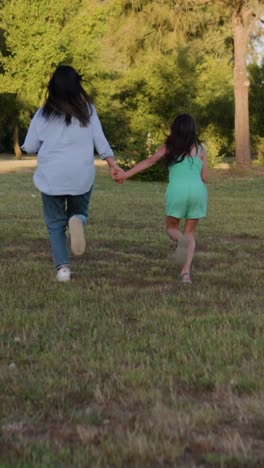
66,97
181,139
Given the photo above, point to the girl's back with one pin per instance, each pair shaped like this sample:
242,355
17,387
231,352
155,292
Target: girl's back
186,195
189,169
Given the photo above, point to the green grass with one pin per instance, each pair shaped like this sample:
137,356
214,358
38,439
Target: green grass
124,366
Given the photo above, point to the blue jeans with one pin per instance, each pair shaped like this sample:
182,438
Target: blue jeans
57,212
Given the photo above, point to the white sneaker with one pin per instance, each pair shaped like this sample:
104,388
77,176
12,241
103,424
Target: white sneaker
77,235
63,274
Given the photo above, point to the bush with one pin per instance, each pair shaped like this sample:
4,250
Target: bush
156,173
259,147
215,144
135,154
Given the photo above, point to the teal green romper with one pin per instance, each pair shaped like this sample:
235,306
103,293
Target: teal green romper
186,194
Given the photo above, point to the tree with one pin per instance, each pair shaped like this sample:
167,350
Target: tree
34,42
142,60
191,19
40,35
243,19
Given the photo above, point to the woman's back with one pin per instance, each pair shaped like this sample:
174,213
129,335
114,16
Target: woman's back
65,152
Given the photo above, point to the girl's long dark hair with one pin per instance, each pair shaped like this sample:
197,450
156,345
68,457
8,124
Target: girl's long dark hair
66,97
181,139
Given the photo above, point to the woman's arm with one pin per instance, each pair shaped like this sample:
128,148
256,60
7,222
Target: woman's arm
32,141
99,140
204,173
114,168
143,165
101,144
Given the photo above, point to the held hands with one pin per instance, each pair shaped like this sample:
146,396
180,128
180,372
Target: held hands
118,175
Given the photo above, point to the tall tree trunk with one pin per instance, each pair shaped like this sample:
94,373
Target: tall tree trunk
17,150
242,19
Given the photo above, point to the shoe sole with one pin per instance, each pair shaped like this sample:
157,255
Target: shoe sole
77,236
63,280
181,251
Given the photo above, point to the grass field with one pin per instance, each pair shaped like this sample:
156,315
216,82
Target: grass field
124,366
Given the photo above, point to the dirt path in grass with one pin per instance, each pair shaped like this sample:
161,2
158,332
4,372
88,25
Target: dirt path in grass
8,164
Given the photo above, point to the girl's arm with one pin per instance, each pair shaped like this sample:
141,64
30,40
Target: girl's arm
204,173
142,165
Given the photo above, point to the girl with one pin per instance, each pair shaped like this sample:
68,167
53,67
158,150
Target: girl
186,194
64,133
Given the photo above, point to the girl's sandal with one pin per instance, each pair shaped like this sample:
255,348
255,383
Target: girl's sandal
185,278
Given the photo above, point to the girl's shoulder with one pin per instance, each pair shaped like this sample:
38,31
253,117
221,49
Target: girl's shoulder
196,151
201,152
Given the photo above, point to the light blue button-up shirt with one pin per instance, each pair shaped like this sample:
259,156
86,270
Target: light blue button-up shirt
65,161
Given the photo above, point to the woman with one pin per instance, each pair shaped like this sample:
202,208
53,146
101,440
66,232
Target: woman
64,133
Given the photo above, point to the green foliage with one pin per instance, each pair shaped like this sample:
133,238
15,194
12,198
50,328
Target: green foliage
34,44
259,148
214,98
214,143
7,102
136,153
157,173
256,94
143,62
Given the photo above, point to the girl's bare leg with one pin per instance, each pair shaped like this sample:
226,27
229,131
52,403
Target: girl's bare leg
189,231
172,227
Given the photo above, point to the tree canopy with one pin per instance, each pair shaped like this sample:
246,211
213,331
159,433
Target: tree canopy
142,61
